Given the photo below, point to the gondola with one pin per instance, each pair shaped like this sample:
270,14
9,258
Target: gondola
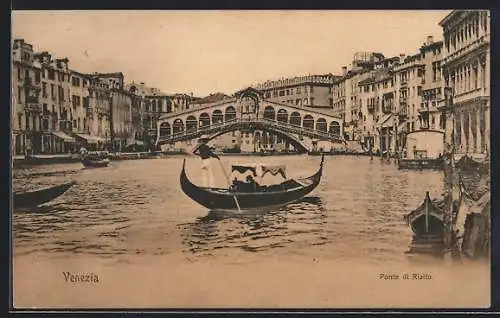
261,197
37,197
427,224
427,218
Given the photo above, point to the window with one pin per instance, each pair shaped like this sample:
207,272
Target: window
312,88
287,92
298,90
282,93
37,76
52,74
19,73
312,101
20,121
19,94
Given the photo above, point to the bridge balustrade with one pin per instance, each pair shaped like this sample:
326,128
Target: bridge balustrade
296,129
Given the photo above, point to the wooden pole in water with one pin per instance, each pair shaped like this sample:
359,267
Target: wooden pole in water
229,185
427,199
449,141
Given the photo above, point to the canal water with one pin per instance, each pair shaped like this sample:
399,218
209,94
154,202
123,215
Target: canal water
133,215
138,207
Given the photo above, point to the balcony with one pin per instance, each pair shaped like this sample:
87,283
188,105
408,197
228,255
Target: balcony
424,108
386,109
403,112
32,107
29,83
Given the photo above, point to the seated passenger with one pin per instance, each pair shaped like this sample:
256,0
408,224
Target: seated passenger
251,184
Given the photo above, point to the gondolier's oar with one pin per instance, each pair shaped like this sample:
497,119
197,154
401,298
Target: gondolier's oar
229,185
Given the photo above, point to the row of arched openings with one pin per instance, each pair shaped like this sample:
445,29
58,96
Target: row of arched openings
295,119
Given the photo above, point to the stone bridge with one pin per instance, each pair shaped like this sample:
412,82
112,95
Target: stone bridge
301,126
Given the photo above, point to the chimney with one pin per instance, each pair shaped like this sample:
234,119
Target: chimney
401,58
344,70
142,83
430,40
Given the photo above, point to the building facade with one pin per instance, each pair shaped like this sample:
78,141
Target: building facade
98,114
150,104
26,112
57,110
466,73
432,91
309,91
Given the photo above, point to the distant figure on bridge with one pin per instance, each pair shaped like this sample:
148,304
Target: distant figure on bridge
205,152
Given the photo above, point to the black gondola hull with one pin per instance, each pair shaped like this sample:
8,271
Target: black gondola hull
222,199
95,164
37,197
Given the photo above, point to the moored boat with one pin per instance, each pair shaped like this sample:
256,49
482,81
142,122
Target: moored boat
428,218
247,197
427,225
95,159
37,197
425,150
420,164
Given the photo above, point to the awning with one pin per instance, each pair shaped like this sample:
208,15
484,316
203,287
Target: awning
91,139
260,170
63,136
402,127
386,121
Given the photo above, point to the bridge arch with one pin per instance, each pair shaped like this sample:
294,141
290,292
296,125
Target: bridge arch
269,113
334,128
178,126
296,119
265,138
191,124
321,124
217,116
204,120
308,122
165,129
282,116
230,113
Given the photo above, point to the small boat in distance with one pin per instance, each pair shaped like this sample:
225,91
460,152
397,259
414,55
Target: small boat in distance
251,196
37,197
425,149
95,159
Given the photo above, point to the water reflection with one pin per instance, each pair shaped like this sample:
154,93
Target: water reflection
137,207
257,230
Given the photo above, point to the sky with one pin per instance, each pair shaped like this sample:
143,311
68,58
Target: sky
203,52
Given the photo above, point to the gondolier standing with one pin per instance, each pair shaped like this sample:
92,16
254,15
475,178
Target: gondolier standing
205,152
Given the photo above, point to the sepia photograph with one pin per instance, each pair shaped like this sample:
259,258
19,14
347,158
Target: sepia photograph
263,159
